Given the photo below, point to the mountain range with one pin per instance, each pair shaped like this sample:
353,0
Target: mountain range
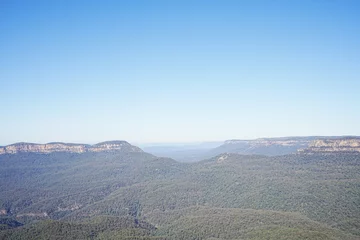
114,190
188,152
261,146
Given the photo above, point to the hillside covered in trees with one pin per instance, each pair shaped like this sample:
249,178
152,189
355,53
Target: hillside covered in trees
136,195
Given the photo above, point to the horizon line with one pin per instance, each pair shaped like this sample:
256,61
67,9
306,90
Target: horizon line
149,143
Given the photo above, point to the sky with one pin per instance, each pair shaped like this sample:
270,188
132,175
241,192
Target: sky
178,71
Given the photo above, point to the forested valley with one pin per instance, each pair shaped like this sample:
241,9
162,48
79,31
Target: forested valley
136,195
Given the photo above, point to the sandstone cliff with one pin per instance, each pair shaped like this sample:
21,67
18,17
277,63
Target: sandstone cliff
264,142
69,147
348,144
264,146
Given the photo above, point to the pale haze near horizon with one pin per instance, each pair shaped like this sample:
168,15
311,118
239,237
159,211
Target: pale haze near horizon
178,71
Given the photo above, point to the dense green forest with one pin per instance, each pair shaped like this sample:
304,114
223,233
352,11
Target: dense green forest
135,195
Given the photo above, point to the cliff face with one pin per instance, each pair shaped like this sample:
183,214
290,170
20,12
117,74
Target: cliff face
69,147
333,146
265,142
283,143
114,146
290,145
264,146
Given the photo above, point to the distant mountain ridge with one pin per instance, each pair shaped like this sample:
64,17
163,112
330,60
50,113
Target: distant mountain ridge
273,146
24,147
261,146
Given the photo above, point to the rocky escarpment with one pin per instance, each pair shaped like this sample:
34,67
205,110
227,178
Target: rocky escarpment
69,147
265,142
290,145
348,144
264,146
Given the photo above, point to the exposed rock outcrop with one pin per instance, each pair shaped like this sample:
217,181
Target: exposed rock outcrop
347,144
290,145
40,215
69,147
264,146
264,142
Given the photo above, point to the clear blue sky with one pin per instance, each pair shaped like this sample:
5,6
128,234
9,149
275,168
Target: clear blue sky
178,71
